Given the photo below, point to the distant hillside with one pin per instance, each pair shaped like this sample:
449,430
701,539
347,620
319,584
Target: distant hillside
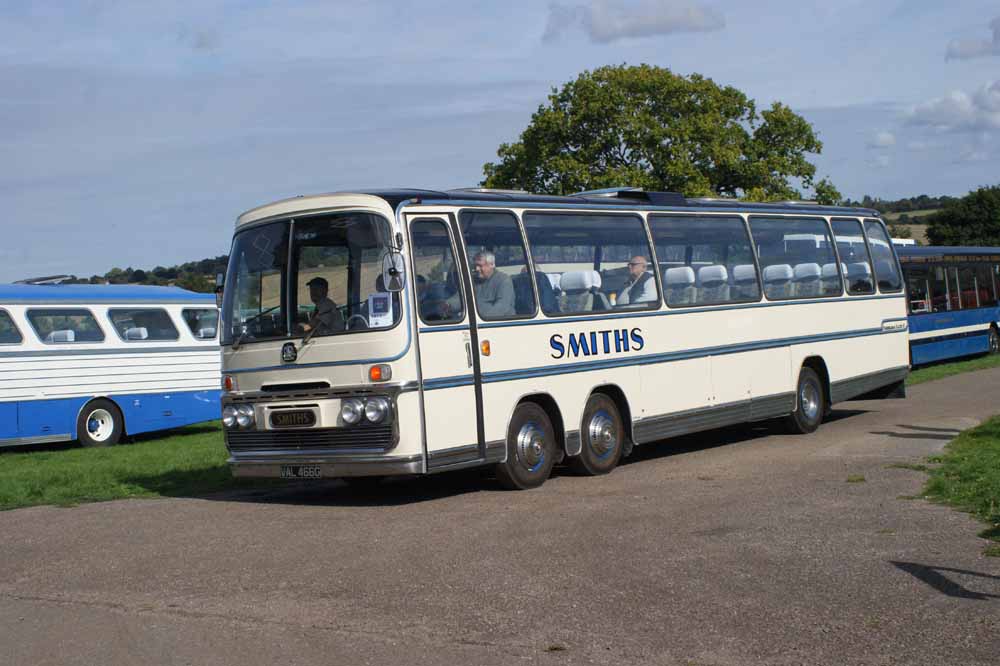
193,275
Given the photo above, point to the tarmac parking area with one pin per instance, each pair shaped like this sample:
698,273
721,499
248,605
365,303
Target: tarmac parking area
734,547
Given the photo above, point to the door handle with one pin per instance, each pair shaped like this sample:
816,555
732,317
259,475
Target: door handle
468,352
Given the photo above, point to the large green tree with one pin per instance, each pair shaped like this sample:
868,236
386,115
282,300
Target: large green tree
972,220
645,126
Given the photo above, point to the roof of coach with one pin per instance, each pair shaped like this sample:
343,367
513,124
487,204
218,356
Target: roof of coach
84,294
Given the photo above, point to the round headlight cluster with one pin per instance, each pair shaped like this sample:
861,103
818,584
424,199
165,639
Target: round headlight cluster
229,416
244,415
237,415
374,410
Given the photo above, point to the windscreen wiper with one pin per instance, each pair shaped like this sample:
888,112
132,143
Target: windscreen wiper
239,338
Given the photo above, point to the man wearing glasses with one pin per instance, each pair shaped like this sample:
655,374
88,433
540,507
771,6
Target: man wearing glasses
640,287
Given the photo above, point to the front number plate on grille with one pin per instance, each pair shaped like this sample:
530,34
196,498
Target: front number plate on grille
294,418
300,472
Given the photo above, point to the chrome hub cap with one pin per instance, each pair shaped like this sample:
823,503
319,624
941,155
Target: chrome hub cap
601,431
809,400
100,425
531,446
994,342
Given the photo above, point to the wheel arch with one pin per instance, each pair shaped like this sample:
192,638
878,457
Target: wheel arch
88,401
551,409
817,365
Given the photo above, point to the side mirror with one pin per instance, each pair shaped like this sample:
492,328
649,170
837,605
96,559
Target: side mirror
393,271
219,280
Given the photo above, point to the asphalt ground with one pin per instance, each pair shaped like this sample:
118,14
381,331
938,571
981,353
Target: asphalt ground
739,546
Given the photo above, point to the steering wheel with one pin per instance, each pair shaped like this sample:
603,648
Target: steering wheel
364,322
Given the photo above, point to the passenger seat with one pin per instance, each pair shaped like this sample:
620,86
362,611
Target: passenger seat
713,284
679,283
807,280
778,281
581,292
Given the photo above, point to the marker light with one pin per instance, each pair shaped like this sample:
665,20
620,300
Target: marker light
484,346
228,383
351,411
244,415
376,409
380,373
229,416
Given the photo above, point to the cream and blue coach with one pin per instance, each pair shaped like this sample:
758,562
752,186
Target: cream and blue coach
411,331
96,362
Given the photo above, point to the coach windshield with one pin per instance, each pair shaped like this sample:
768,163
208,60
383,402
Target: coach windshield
315,277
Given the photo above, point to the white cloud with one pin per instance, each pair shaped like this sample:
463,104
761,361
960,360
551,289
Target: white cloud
882,140
880,161
959,111
607,21
964,49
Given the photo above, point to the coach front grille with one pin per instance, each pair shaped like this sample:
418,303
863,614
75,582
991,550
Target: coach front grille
381,437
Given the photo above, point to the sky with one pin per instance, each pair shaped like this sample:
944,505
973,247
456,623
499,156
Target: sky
133,133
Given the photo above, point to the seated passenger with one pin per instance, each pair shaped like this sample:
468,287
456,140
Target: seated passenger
640,286
524,297
494,289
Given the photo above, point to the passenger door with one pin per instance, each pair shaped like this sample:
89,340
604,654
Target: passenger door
447,344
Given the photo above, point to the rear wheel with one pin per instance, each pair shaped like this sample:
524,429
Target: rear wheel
602,437
810,405
994,341
531,449
100,424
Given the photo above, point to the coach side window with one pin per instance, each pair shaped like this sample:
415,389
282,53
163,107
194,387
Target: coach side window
133,324
593,262
203,322
501,282
704,260
439,296
9,335
855,262
985,286
886,271
794,256
54,326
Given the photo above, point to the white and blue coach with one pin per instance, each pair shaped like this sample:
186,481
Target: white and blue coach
94,362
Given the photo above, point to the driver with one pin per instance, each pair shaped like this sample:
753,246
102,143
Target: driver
326,318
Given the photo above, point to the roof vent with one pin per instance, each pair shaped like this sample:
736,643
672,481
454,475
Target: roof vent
636,194
488,190
795,202
609,192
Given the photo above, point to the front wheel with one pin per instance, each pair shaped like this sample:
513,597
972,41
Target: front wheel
810,403
994,341
603,437
100,424
531,449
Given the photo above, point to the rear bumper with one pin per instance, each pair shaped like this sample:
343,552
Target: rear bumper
264,465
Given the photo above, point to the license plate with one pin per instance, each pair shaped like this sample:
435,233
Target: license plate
293,418
300,472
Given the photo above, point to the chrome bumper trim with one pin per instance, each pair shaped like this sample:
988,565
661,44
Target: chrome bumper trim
331,466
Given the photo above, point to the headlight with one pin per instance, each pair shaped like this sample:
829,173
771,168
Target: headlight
229,416
376,409
244,415
351,411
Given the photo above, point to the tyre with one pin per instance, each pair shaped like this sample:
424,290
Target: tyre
602,437
531,449
100,424
810,403
994,341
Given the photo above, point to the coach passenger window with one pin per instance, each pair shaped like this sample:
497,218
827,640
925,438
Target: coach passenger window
854,259
918,288
9,335
967,280
439,297
498,264
592,262
135,324
54,326
794,255
203,322
886,271
984,285
704,260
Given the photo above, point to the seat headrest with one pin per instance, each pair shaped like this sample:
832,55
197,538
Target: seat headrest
830,270
859,268
744,273
807,271
778,272
554,279
576,280
679,276
710,274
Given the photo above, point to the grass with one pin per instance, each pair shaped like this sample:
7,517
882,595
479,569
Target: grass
923,212
189,461
855,478
941,370
968,477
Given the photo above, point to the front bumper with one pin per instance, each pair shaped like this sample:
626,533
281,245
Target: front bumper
332,465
